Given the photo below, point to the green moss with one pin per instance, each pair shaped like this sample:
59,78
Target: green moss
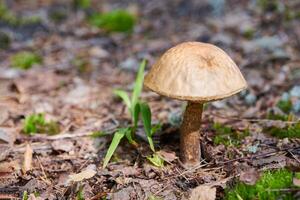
36,123
274,116
25,60
82,65
11,19
82,4
4,40
57,15
98,134
267,5
114,21
267,187
249,33
227,136
80,193
285,105
290,131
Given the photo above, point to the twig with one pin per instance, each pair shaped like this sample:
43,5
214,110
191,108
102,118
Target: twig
259,155
255,120
294,156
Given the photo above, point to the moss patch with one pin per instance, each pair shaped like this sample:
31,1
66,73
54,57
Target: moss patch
36,123
25,60
227,136
114,21
290,131
268,187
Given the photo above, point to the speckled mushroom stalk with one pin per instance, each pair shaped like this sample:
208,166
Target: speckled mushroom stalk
190,134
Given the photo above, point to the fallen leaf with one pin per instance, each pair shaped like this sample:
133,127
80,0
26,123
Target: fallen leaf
63,145
9,167
7,135
296,181
27,163
4,114
4,151
167,156
89,172
250,176
203,192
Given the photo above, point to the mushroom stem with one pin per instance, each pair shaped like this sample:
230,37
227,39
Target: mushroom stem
190,134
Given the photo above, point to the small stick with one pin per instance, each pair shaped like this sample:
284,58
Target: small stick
259,155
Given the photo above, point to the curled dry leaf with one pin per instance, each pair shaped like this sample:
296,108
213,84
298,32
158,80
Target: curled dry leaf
167,156
63,145
27,163
87,173
296,181
203,192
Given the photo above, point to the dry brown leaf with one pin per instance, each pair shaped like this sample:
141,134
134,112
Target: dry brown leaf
167,156
89,172
203,192
9,167
296,181
27,163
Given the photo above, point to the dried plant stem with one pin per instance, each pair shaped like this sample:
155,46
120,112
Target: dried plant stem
190,134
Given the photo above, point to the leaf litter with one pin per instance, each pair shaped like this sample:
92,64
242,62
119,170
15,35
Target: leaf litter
74,85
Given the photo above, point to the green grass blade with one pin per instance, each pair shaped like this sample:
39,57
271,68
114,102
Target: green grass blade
114,144
138,85
146,118
129,136
156,160
124,96
135,117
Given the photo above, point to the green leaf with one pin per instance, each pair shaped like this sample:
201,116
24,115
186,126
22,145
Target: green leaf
114,144
130,138
155,128
124,96
135,117
25,195
97,134
156,160
146,118
138,85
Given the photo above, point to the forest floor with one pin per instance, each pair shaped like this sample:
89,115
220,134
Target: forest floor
242,136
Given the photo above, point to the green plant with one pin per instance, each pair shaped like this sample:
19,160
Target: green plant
118,135
10,18
98,134
285,105
25,195
156,160
82,4
57,15
267,5
280,117
227,136
25,60
268,187
114,21
36,123
153,197
80,194
135,107
4,40
290,131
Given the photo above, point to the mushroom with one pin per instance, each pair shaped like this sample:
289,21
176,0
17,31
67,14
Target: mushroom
197,73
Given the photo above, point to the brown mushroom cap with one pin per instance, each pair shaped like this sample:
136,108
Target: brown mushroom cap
195,71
